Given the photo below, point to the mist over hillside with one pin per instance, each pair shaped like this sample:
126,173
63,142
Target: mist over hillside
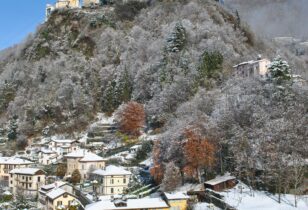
274,18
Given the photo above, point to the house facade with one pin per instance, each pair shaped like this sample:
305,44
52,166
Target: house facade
60,199
85,161
112,180
45,189
9,163
46,156
63,146
26,180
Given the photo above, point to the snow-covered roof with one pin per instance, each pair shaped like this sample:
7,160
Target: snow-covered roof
53,185
27,171
250,62
144,203
85,156
177,196
13,161
112,171
220,179
47,151
55,193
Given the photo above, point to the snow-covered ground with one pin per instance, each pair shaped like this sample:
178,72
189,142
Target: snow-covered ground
205,206
259,200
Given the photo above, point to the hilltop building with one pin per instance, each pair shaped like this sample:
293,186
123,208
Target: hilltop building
89,3
252,68
61,4
26,180
84,161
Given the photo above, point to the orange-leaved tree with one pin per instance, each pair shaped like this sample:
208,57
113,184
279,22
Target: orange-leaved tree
157,171
131,118
199,153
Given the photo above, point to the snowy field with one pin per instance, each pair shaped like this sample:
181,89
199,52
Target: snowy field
259,200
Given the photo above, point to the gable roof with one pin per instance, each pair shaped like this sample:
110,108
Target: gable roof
27,171
53,185
112,171
14,161
57,192
85,156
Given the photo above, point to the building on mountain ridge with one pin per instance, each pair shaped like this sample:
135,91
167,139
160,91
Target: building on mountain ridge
252,68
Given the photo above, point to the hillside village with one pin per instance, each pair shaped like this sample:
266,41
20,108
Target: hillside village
123,159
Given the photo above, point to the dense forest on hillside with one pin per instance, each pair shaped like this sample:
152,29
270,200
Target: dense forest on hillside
175,58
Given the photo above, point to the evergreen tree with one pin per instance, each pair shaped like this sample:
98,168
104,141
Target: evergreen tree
279,71
12,129
124,88
177,39
109,99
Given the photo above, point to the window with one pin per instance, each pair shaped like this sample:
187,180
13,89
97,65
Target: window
124,180
59,203
30,185
111,190
23,177
111,181
30,178
39,179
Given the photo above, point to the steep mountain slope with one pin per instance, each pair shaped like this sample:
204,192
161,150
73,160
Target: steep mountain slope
176,58
61,73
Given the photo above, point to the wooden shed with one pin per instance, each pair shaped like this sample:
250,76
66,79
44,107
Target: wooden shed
221,183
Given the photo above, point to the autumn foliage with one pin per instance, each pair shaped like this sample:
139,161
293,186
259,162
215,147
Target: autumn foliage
131,118
199,153
157,171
